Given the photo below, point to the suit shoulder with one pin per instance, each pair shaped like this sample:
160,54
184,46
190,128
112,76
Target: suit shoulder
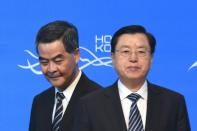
45,94
88,83
96,95
93,84
165,91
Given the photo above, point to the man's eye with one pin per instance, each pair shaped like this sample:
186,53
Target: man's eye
58,60
141,52
125,51
43,62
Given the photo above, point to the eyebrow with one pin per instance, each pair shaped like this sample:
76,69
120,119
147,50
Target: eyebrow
124,46
142,47
41,58
55,57
138,47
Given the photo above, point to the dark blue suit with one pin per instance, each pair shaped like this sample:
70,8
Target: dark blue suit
42,107
102,111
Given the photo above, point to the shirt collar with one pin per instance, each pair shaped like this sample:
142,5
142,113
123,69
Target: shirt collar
70,89
124,91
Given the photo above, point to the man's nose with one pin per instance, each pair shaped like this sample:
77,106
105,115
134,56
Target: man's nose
52,67
133,57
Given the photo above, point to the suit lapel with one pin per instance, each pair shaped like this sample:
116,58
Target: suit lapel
153,108
48,111
114,109
67,119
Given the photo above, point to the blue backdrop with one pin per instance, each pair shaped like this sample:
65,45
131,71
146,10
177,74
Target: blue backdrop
173,22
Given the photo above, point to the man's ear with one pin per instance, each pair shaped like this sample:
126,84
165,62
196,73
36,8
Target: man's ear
77,55
112,57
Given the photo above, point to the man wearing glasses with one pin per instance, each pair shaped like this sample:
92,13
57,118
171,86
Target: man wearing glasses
132,103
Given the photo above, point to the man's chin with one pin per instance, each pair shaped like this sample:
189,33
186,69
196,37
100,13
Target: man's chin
55,82
133,77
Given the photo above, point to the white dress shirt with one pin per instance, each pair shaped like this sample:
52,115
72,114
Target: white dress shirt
67,93
126,103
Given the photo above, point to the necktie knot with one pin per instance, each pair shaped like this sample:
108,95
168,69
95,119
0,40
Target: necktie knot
60,96
134,97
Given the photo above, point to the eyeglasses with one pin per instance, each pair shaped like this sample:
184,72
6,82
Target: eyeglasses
127,52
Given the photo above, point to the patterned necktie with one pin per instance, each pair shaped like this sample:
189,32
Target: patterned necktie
135,120
58,111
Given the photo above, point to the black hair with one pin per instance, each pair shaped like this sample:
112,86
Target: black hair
59,30
133,29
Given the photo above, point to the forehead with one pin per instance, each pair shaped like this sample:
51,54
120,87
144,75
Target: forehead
133,41
51,49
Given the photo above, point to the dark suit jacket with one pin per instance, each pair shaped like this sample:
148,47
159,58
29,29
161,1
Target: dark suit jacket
102,111
42,107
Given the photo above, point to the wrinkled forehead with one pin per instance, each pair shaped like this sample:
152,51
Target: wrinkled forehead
137,40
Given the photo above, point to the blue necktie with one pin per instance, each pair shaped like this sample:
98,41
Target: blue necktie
135,120
58,111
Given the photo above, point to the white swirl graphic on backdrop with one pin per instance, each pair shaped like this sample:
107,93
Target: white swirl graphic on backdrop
31,66
193,65
96,61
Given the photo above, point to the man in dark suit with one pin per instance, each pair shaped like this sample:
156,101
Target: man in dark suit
132,103
58,50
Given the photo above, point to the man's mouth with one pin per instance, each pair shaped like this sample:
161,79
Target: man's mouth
133,68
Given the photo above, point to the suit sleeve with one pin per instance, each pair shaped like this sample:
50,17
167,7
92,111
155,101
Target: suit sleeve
183,123
81,122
